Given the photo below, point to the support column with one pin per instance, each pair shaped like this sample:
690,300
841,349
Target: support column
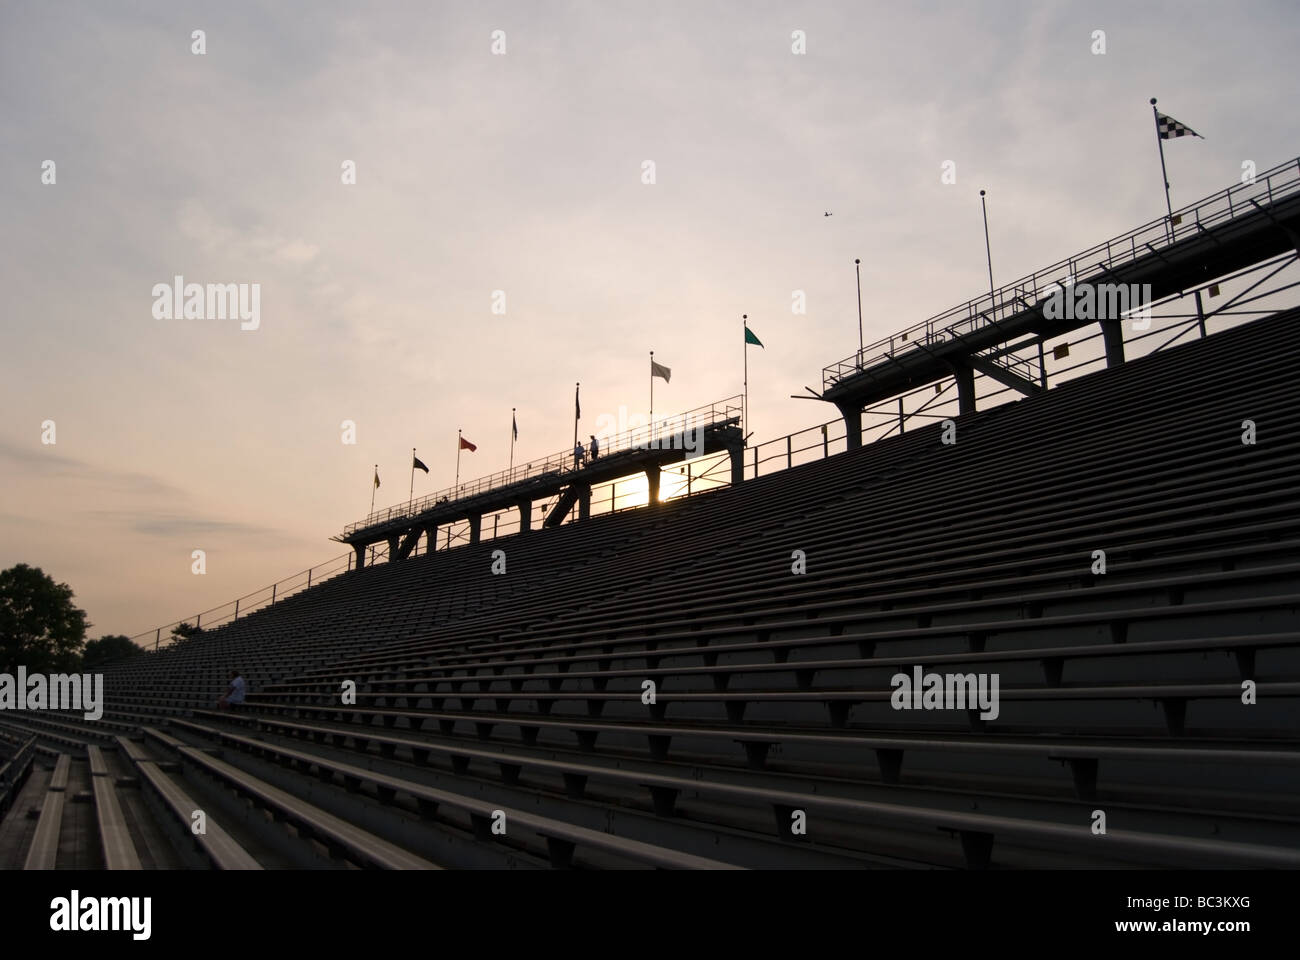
652,476
965,377
525,515
431,535
584,501
408,546
393,543
475,523
1112,334
360,549
737,454
851,411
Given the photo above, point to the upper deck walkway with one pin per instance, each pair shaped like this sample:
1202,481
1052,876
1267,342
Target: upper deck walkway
705,430
1235,228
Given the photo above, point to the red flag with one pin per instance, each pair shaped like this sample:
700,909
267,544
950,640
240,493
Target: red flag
466,445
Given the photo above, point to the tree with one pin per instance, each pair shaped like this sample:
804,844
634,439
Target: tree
106,649
185,631
40,627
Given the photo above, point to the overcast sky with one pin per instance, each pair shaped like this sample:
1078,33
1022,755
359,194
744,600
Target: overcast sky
522,172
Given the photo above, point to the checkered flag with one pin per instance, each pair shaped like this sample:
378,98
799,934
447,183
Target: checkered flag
1169,128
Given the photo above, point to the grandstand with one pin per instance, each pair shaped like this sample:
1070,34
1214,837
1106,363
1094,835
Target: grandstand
1109,548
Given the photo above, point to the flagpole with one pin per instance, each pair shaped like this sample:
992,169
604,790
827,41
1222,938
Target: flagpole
652,396
576,388
512,439
457,483
988,250
373,488
744,402
857,269
1164,174
411,497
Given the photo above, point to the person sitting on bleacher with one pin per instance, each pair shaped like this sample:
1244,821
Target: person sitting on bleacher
234,694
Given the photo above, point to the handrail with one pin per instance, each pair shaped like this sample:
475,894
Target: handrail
558,463
986,309
266,596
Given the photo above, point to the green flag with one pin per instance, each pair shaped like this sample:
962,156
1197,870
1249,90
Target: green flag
750,338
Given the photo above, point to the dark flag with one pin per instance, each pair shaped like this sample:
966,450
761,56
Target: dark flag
1169,128
514,426
577,406
419,465
466,445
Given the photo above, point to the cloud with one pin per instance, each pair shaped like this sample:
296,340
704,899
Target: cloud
46,463
151,523
257,243
295,251
148,506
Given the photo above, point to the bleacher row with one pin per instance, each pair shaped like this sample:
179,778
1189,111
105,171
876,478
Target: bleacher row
660,688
